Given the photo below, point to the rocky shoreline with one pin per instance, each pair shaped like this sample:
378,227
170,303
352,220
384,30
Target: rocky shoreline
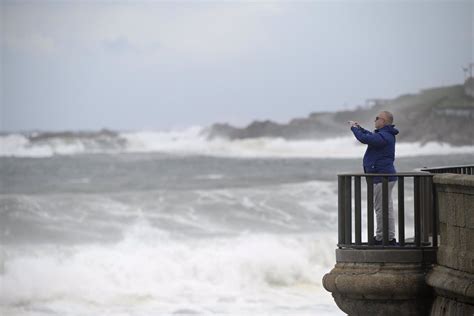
442,114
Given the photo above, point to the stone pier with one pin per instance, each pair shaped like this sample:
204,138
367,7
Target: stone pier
418,281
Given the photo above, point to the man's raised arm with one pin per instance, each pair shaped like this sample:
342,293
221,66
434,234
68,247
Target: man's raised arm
366,137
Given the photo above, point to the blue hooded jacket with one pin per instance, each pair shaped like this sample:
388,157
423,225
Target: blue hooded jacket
380,153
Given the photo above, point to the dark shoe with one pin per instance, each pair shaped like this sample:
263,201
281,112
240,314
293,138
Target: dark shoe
376,242
392,242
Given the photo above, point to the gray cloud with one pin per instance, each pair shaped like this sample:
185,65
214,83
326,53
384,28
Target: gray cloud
73,65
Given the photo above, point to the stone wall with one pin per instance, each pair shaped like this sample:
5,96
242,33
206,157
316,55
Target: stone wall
453,276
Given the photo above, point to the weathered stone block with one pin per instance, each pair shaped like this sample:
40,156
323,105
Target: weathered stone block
465,261
450,208
447,257
470,239
442,207
464,238
442,234
460,210
469,210
452,238
456,259
454,182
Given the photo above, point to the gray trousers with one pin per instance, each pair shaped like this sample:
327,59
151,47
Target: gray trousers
378,211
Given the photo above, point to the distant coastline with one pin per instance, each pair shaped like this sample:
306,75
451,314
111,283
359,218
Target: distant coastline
442,114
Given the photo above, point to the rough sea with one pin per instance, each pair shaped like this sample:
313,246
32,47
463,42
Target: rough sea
169,223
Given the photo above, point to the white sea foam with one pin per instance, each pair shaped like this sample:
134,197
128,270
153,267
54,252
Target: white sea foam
152,272
211,176
164,271
192,141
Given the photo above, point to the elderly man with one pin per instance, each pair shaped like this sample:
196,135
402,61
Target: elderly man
379,158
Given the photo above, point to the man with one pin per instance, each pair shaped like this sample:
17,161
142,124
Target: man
379,158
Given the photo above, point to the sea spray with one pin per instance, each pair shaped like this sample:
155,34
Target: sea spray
193,141
153,270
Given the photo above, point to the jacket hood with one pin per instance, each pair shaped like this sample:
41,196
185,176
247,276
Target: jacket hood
389,129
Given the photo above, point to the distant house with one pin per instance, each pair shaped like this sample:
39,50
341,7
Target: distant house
467,112
469,87
458,106
376,102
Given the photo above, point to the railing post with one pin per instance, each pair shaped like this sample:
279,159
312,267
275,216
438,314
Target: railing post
429,204
341,212
401,210
426,210
348,210
416,180
370,210
385,210
358,224
435,209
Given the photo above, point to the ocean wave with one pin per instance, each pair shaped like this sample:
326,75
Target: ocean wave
194,141
152,270
47,144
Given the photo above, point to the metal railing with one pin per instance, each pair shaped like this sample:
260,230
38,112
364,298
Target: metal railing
466,169
424,208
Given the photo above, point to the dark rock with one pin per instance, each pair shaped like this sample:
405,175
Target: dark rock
441,114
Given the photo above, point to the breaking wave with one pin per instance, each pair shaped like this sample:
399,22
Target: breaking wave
194,141
154,272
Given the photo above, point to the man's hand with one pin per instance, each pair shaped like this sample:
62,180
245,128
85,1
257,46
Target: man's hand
353,124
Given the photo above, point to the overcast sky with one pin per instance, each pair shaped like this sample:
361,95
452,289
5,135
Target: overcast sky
160,65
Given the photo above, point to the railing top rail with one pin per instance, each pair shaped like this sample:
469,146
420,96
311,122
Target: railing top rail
401,174
446,167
